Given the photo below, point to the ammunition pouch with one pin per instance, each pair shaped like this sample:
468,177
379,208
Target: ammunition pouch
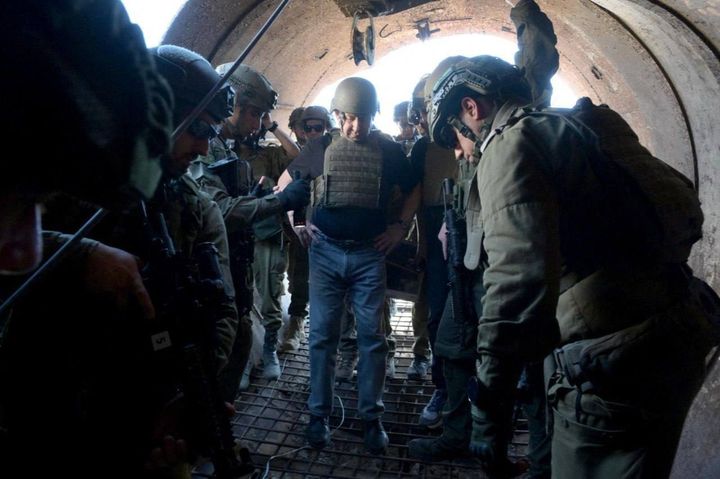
627,363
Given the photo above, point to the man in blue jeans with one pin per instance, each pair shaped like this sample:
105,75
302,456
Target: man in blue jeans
356,172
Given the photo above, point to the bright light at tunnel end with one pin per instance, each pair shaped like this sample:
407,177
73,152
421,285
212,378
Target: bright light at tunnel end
396,74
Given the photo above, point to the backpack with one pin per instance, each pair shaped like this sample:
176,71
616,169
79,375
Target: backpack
661,206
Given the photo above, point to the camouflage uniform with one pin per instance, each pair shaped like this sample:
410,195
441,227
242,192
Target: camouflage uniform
239,212
270,253
61,357
433,164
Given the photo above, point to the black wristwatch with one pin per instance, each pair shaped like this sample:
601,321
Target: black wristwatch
273,127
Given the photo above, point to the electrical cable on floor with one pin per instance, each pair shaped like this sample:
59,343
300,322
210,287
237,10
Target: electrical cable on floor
342,421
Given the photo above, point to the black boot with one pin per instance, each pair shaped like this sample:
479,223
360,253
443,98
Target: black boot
435,449
317,432
376,440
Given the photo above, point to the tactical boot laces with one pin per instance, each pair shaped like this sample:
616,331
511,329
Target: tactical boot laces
345,367
317,432
418,368
435,449
431,416
376,440
293,334
390,368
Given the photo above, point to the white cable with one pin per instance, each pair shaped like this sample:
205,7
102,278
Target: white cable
342,421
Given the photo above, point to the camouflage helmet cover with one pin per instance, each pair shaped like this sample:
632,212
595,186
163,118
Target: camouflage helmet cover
355,95
191,77
485,75
251,87
295,117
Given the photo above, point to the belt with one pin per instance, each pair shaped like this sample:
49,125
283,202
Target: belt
345,243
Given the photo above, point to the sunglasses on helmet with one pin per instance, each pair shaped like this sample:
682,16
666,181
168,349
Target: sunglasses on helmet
316,128
202,130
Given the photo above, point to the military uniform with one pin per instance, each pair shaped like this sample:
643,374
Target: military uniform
88,366
544,224
270,260
456,340
432,165
239,212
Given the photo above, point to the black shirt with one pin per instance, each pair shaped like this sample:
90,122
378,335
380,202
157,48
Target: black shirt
350,223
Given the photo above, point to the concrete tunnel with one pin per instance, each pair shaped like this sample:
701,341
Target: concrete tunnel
655,62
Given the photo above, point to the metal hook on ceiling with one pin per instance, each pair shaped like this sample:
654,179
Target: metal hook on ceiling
363,43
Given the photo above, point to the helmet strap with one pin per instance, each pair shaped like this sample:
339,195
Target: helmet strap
464,130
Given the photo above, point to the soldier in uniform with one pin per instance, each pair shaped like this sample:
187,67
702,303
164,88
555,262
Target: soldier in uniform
255,100
432,164
350,238
229,179
570,260
314,122
295,126
106,142
407,136
539,61
191,220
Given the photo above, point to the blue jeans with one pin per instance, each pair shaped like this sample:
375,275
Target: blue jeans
355,269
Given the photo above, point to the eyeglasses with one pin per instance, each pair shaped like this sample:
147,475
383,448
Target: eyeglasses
202,130
316,128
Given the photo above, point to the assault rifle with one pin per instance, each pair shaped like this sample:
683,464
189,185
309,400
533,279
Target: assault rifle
456,244
184,294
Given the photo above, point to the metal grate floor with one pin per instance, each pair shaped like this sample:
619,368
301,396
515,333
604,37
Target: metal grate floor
272,416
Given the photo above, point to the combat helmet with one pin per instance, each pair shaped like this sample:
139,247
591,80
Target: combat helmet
483,75
416,106
315,112
109,107
355,95
251,87
295,117
191,77
400,111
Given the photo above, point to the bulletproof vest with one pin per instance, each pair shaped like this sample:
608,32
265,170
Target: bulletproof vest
222,162
352,175
439,164
658,204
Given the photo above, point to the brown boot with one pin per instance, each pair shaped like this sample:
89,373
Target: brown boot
293,334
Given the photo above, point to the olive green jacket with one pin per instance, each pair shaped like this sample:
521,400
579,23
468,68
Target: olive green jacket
268,161
519,232
193,218
239,212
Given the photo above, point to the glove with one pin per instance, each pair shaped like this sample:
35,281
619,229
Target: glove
295,196
491,393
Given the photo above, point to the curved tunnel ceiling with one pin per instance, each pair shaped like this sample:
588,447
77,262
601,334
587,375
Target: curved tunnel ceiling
655,62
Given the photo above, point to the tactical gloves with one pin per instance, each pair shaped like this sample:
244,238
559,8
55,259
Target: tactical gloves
295,196
492,395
